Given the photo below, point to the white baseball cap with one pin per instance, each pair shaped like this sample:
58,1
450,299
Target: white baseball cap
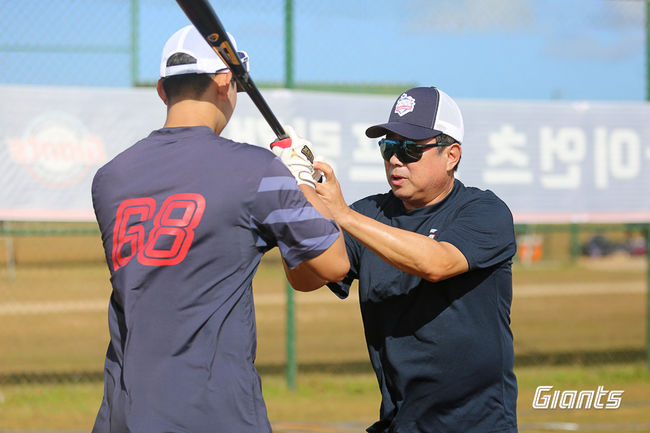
189,41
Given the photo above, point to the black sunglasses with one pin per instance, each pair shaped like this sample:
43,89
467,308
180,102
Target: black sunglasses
405,150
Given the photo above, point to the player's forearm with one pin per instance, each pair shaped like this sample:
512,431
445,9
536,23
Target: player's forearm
331,265
302,278
410,252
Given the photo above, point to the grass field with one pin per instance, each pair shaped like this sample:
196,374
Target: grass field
342,403
576,326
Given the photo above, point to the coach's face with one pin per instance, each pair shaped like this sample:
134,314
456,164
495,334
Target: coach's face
424,182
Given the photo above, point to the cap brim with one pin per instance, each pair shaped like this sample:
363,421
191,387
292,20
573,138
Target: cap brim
406,130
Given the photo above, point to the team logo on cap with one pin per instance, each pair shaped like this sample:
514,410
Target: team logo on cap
404,105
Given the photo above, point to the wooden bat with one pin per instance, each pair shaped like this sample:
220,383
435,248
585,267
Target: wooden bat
209,26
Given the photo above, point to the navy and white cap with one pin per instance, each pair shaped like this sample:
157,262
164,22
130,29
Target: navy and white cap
421,113
189,41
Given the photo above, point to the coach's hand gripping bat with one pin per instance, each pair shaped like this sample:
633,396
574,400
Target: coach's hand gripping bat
207,23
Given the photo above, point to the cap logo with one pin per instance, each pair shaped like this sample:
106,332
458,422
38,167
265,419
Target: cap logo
404,105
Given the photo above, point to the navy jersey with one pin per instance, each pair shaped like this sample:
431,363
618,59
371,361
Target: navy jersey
442,352
185,217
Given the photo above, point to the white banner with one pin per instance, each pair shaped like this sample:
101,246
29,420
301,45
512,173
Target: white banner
549,161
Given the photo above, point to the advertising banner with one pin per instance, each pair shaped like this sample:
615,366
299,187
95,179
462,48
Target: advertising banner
551,162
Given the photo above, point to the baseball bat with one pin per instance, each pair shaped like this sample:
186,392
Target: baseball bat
209,26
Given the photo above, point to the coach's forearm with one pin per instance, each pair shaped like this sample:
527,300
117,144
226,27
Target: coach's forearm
410,252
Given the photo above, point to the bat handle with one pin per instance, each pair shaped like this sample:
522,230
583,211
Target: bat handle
280,133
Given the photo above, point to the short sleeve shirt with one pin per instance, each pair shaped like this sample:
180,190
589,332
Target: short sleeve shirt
185,217
442,352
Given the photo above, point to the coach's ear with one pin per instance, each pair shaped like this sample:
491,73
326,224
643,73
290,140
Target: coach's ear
453,156
161,91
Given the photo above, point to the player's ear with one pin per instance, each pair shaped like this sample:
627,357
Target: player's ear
161,91
223,82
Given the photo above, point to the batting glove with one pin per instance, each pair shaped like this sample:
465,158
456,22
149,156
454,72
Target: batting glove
296,153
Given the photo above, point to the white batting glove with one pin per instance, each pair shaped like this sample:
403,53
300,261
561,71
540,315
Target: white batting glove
317,175
296,153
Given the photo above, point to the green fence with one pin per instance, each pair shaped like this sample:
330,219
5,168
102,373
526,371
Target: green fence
342,45
118,43
53,281
579,298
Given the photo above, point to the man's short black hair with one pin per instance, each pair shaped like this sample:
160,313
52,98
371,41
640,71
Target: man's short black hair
185,86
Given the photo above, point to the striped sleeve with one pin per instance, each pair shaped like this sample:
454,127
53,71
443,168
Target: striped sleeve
281,216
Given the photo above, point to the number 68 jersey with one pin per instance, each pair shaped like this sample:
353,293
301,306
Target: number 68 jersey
185,217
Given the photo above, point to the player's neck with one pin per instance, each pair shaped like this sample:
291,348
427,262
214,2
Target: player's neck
195,113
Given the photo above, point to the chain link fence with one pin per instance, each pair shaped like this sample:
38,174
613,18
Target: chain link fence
579,290
497,48
579,298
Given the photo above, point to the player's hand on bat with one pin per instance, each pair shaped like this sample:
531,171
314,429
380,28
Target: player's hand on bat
330,192
296,153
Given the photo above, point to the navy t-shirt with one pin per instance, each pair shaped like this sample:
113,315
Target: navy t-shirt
185,217
442,352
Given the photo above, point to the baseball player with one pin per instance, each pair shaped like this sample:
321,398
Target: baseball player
433,260
185,217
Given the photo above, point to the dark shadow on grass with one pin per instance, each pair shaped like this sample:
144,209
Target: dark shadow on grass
348,367
586,358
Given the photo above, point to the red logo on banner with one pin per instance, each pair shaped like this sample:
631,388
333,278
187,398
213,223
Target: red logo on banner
57,150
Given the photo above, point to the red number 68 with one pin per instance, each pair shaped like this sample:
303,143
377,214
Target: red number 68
181,228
